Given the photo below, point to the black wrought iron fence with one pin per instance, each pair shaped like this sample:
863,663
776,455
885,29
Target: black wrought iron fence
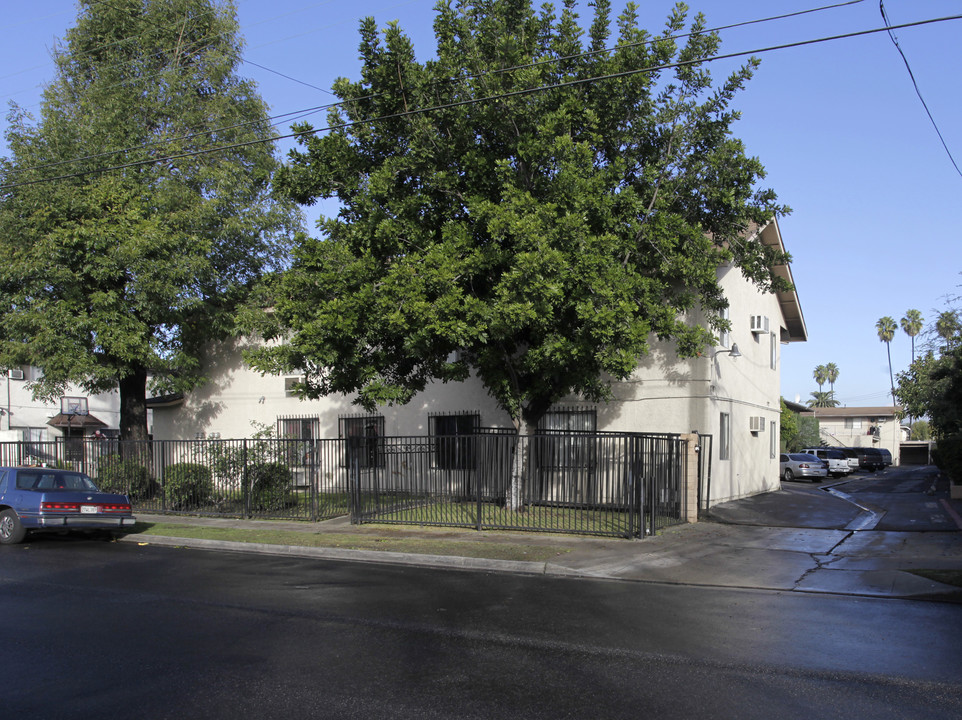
623,485
618,484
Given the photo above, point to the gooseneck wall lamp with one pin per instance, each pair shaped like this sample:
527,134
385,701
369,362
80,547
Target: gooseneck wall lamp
733,351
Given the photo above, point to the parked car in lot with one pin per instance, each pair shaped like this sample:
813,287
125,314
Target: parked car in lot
802,465
851,456
869,458
886,456
35,499
838,464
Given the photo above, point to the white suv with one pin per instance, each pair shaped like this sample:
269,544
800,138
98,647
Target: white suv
838,465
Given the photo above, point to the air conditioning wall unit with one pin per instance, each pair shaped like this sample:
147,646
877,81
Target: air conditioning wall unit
15,373
759,324
756,424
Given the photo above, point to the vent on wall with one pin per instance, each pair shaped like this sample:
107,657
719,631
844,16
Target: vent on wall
15,374
756,424
759,324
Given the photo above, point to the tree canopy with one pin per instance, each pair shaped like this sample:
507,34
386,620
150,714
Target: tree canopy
534,206
932,388
126,244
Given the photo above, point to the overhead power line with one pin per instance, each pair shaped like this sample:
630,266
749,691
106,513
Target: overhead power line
918,92
492,98
461,78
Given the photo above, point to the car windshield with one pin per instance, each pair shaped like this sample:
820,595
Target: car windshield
48,480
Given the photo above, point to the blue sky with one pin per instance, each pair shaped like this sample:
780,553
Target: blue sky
838,126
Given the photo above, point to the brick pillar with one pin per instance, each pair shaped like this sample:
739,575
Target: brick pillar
690,488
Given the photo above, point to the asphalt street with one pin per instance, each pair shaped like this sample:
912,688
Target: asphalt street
94,629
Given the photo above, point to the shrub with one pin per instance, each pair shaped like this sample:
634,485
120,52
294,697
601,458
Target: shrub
187,486
270,484
948,456
125,476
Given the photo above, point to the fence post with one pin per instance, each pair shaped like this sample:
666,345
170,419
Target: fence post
354,480
486,442
690,477
636,495
312,477
244,479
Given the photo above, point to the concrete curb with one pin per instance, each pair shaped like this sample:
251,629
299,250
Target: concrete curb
384,557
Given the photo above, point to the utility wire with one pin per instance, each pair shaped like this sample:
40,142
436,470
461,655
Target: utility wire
918,92
309,111
476,101
237,57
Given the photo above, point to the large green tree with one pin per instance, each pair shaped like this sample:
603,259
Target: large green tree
126,245
528,206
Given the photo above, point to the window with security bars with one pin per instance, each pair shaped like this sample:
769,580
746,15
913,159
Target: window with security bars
297,436
565,438
454,446
365,440
297,428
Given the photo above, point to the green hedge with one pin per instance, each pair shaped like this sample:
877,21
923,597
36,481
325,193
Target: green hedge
125,476
948,456
187,486
270,484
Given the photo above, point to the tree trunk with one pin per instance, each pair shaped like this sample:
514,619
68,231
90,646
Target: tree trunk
888,349
519,464
133,408
526,427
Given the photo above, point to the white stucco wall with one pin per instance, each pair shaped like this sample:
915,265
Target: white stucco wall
21,411
664,395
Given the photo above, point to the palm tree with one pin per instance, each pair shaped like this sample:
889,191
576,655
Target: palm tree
912,324
886,331
831,375
947,326
822,400
820,375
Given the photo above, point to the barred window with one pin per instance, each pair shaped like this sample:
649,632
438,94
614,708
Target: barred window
296,437
454,440
297,428
365,440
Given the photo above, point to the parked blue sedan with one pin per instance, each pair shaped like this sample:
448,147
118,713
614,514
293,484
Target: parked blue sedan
44,499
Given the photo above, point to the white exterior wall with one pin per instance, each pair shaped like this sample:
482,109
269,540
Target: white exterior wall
21,411
835,431
665,395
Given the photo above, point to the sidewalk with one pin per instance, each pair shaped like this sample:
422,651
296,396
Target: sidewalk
793,540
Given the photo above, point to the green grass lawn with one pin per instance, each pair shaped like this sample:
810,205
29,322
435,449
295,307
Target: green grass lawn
358,541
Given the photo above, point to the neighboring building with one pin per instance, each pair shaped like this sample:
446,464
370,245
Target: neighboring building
879,427
75,415
732,393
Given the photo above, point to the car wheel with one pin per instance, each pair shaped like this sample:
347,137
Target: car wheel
789,475
12,530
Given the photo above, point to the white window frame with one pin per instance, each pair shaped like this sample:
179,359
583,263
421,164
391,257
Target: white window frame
725,336
724,436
